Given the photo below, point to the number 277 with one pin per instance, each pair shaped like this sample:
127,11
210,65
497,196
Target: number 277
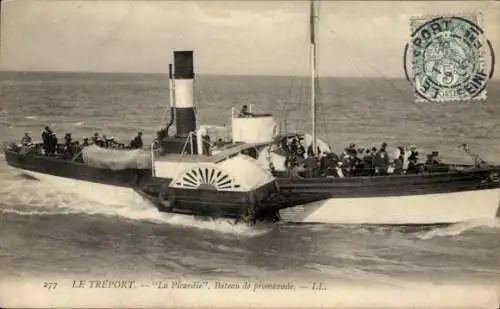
50,285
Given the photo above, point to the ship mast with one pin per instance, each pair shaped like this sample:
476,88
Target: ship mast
312,26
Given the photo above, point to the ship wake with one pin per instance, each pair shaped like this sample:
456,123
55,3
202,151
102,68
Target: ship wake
25,196
484,225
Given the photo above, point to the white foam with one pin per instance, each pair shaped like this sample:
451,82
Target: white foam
43,198
35,212
459,228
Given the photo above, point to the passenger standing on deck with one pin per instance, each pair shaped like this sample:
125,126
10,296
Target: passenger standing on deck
357,164
398,161
406,156
294,147
53,143
301,151
311,165
26,139
413,161
339,170
367,163
291,162
206,143
345,158
85,142
323,163
68,146
284,146
310,152
104,141
67,140
95,138
245,112
351,150
398,152
136,143
100,142
46,134
382,160
435,158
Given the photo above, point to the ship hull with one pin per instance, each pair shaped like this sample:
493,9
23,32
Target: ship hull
438,198
401,200
440,208
131,186
96,191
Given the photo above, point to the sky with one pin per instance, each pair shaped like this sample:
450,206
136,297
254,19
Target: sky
356,39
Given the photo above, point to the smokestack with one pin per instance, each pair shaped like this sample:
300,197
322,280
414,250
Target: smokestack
185,119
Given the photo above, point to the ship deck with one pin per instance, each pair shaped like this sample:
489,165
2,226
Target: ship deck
225,153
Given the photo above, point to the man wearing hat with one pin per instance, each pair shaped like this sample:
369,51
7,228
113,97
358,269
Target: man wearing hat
26,139
245,112
339,170
85,142
382,160
46,136
136,143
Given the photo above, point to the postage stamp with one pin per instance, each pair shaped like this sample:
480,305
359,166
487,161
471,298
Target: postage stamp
448,58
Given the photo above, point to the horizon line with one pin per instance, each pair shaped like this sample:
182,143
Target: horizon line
198,74
204,74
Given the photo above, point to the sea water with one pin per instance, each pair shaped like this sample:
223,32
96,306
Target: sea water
47,233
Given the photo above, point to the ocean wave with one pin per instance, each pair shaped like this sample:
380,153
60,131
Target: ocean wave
36,212
43,199
369,257
460,228
355,274
221,248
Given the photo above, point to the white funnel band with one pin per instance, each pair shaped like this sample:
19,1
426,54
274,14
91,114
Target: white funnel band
184,93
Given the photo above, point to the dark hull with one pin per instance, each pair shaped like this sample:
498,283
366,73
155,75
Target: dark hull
292,191
129,178
261,203
396,185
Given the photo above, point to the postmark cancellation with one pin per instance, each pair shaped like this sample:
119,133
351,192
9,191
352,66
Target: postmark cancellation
448,58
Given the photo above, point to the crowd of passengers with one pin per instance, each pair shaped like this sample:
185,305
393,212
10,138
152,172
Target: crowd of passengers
357,161
72,149
351,162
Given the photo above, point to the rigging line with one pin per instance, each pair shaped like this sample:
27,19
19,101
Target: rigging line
284,106
402,94
324,118
295,83
295,80
300,80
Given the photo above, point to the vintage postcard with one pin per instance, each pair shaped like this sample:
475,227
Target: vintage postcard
249,154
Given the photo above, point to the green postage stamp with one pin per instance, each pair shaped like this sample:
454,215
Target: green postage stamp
448,58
